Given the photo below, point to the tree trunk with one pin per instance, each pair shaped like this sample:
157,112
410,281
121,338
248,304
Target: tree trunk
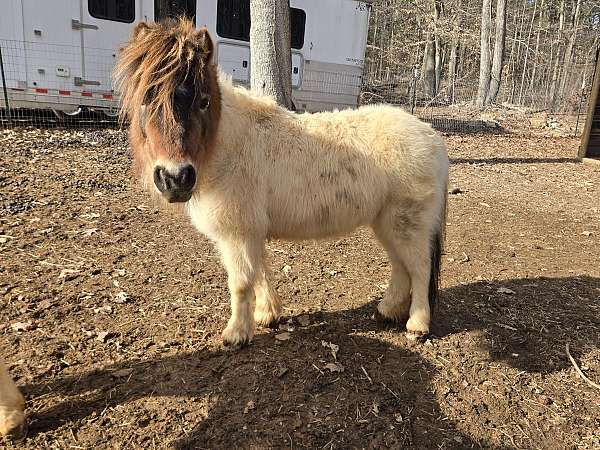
270,50
452,64
534,81
556,71
496,77
453,61
535,4
438,9
517,57
429,66
484,61
564,85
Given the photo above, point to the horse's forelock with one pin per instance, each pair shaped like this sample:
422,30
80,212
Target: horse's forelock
153,65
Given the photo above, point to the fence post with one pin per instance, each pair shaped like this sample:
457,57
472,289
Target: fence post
6,104
581,96
413,101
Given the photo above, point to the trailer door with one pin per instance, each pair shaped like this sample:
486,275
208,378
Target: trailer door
51,48
105,24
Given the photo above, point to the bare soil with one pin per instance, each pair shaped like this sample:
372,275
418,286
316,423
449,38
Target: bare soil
112,308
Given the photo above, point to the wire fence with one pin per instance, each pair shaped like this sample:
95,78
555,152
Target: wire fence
47,85
453,108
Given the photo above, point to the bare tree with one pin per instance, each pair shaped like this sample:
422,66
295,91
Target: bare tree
454,47
433,55
429,66
485,57
524,71
270,50
438,11
567,74
536,52
542,64
496,75
556,70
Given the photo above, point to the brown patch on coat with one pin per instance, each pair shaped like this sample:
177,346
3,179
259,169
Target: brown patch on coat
408,218
344,197
324,215
349,167
330,175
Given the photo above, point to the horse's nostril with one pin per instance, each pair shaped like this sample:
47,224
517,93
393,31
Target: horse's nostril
187,178
160,178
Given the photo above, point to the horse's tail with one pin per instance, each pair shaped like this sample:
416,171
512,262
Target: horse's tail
437,247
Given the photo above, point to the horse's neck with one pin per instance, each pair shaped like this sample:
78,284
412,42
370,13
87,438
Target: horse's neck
241,111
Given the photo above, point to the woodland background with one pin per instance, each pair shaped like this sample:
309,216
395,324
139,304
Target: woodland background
525,55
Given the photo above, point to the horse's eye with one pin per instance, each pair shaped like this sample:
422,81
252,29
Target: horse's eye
204,101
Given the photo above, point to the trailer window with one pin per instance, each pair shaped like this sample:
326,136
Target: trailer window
164,9
116,10
233,21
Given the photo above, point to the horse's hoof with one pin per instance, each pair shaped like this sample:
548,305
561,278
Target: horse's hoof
417,328
416,336
394,314
236,336
267,319
12,423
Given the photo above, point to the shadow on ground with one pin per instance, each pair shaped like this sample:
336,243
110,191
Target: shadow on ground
274,394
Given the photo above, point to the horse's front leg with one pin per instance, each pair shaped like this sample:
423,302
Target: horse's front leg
243,260
12,405
268,303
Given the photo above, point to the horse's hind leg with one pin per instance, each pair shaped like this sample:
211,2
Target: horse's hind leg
268,304
12,405
416,255
396,300
405,234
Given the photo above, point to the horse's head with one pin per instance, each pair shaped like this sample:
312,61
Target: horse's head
170,95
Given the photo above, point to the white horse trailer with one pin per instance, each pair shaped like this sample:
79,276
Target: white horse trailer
59,54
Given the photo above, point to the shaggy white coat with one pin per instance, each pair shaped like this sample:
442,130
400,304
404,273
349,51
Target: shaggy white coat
276,174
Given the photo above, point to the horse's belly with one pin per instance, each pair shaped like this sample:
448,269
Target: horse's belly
318,222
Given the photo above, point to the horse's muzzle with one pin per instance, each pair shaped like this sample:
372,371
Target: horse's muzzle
175,184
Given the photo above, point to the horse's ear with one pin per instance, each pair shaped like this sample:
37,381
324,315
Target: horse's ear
205,44
140,29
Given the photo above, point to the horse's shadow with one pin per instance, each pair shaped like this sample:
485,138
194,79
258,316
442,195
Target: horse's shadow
284,394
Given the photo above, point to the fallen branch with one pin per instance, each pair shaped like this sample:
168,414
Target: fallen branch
590,382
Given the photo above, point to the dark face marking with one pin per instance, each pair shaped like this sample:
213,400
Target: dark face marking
183,100
190,100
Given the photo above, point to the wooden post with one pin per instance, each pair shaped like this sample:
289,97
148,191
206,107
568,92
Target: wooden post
585,150
6,103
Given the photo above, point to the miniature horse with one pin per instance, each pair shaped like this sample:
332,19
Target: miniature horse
247,170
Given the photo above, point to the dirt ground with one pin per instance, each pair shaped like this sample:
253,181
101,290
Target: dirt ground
112,310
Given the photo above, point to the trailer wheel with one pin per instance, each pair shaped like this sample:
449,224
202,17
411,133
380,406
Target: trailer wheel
64,115
112,113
